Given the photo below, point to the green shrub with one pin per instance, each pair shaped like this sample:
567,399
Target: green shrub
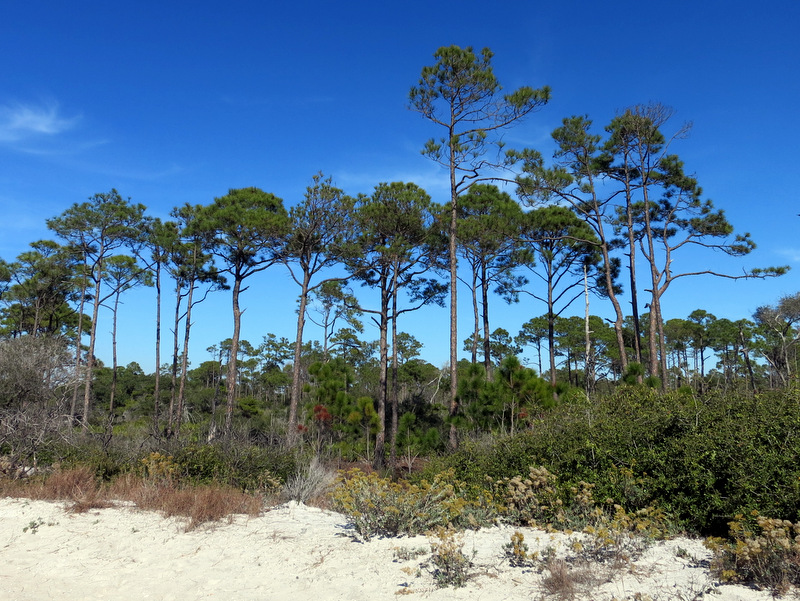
380,507
202,464
248,468
701,461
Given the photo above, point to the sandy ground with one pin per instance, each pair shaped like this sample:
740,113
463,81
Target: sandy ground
297,552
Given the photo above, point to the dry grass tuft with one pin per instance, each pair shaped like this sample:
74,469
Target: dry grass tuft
566,582
78,485
88,504
75,484
201,504
310,486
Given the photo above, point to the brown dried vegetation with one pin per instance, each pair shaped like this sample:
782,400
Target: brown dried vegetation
82,490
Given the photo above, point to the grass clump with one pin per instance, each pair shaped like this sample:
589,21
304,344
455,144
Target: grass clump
378,506
200,504
566,581
310,484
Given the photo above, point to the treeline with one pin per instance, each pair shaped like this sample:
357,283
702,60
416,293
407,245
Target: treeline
606,205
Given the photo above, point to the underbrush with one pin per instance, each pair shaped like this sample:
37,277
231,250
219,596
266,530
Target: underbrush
618,471
200,483
379,506
83,490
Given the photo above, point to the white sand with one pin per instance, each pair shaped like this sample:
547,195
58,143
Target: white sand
292,552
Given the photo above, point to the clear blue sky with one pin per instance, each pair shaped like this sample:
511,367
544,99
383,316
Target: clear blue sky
175,102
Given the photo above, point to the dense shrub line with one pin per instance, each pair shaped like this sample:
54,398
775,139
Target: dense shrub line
701,461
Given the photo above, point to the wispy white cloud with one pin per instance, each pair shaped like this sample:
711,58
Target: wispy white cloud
140,174
434,180
20,122
790,254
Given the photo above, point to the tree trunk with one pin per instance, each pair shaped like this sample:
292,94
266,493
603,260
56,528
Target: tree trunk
476,333
237,324
379,460
173,389
589,357
453,440
395,399
78,348
298,348
637,332
113,359
619,318
487,353
662,347
453,245
551,337
157,387
184,360
87,391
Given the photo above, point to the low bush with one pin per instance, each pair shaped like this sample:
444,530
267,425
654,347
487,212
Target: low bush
760,550
449,565
381,507
517,553
249,468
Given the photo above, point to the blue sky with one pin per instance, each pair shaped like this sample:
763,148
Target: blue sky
175,102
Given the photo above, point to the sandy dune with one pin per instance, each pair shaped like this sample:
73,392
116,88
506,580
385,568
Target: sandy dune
294,552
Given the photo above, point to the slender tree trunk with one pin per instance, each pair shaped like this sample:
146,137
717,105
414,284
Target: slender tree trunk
551,335
173,388
113,359
78,348
539,354
551,345
237,324
298,348
746,354
637,331
157,387
36,319
608,280
655,300
184,359
395,398
662,346
453,440
487,353
87,391
476,332
379,460
212,429
589,357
